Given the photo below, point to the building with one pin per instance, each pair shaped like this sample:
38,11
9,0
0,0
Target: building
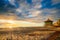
48,23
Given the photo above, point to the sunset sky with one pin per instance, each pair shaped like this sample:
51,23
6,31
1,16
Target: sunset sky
31,11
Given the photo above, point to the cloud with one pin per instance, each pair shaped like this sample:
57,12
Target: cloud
55,1
9,16
34,13
12,2
34,10
38,6
36,1
50,13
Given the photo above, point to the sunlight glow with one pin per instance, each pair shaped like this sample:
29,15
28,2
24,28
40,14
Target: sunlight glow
16,23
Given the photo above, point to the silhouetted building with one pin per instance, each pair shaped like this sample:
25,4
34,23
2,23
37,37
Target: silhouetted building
48,23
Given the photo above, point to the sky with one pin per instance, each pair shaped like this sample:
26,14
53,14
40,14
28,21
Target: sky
30,10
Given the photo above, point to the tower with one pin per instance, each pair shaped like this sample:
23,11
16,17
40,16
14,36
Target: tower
48,23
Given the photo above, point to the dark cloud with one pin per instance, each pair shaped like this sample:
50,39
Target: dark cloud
5,6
